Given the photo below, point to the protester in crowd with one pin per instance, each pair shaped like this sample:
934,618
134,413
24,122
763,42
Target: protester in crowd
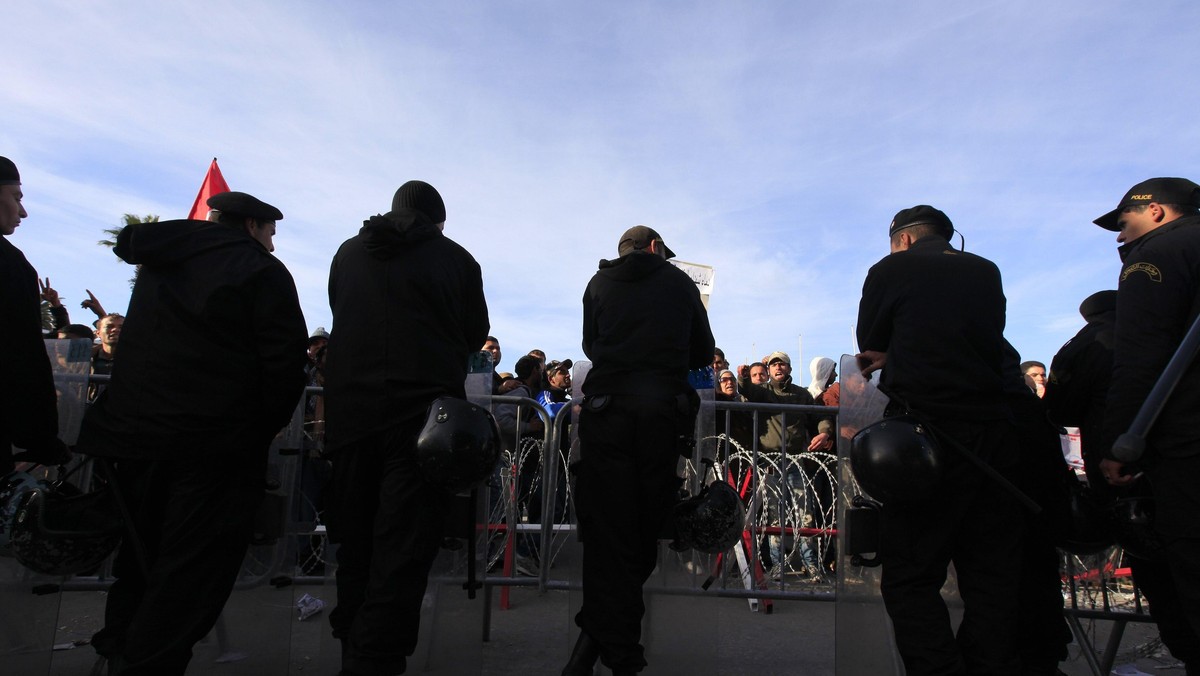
398,289
759,374
108,331
189,447
637,407
522,430
109,334
28,403
1158,299
737,428
720,363
58,313
492,346
952,379
93,304
1035,376
785,435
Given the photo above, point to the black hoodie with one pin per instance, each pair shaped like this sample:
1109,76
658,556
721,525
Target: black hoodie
212,351
644,327
408,311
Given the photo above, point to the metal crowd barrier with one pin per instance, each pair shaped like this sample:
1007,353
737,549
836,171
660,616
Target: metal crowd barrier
1093,593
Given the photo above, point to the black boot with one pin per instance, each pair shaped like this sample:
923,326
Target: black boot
583,657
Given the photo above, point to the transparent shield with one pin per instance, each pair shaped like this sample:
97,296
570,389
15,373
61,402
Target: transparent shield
452,613
862,631
674,622
70,363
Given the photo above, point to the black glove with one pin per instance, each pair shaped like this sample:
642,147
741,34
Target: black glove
53,453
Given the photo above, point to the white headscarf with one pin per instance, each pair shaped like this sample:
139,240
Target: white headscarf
820,368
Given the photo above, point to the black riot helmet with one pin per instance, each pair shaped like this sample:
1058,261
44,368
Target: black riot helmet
897,460
1133,525
1088,528
13,487
58,531
459,445
710,522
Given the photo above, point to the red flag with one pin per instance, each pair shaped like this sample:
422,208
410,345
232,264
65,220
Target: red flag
214,184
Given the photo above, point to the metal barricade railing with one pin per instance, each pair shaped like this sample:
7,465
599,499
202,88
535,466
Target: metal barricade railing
1092,593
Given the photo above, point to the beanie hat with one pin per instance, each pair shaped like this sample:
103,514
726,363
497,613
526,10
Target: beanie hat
422,197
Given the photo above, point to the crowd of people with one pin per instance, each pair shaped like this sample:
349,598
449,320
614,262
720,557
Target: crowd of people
189,461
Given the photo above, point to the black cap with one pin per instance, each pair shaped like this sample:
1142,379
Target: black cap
638,238
526,365
556,365
8,172
1161,190
422,197
241,204
922,214
1101,301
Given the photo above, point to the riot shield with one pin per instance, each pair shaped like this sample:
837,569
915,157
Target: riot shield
863,639
570,555
29,619
673,621
70,362
450,641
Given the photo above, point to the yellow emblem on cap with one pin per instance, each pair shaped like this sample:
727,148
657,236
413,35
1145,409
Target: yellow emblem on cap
1141,197
1150,270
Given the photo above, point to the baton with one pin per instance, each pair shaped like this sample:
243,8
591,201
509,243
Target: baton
1130,445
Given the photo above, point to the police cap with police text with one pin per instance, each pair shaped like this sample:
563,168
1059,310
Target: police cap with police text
922,214
241,204
1179,191
8,172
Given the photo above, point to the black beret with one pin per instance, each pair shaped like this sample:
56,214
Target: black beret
241,204
1101,301
422,197
922,214
8,172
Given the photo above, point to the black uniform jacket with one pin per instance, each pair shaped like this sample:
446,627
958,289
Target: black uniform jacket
1158,299
1079,378
408,311
213,349
644,327
939,314
28,413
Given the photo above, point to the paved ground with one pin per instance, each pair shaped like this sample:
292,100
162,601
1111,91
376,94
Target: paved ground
687,635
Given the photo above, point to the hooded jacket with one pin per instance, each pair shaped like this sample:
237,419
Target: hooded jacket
212,349
644,327
770,425
28,404
408,311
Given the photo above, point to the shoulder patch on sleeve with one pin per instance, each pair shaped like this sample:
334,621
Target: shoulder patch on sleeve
1148,268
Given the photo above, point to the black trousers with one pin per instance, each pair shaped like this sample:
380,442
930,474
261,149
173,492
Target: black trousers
626,487
194,514
1175,483
388,523
974,524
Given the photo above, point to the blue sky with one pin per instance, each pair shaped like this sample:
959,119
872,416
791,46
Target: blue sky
771,140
